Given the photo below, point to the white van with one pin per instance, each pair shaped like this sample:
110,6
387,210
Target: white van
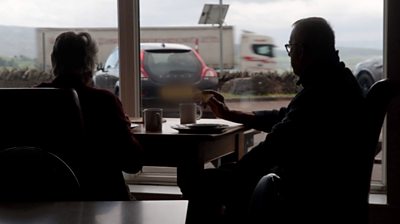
256,53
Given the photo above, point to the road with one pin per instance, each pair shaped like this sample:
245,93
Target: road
247,105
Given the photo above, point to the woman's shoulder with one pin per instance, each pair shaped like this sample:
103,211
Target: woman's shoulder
101,94
99,91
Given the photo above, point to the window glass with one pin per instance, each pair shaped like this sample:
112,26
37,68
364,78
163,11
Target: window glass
252,78
112,60
258,76
175,66
265,50
29,29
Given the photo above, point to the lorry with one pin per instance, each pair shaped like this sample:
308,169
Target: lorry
255,53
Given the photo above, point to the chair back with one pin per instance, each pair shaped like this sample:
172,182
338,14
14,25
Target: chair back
47,118
378,99
32,174
265,202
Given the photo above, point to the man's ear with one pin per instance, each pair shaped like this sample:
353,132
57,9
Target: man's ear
302,54
302,51
307,57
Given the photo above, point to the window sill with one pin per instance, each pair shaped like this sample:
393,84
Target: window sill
155,192
378,199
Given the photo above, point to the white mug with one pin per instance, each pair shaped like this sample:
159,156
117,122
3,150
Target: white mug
152,118
190,112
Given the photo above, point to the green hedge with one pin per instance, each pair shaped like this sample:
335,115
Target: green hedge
26,77
271,83
238,83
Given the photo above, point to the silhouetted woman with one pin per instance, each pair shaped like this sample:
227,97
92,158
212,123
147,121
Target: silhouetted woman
109,146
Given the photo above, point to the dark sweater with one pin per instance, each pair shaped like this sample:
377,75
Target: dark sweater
109,147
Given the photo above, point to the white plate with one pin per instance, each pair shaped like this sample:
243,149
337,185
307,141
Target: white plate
205,126
200,128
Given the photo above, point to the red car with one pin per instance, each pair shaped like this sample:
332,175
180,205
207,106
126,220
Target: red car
162,64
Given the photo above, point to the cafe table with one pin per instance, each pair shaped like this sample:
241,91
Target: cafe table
99,212
190,151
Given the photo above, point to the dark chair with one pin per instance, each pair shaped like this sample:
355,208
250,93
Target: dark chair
47,118
265,201
32,174
378,98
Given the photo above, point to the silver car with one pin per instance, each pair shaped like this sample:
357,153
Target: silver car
368,72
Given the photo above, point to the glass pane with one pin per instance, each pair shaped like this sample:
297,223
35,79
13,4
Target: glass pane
256,72
29,29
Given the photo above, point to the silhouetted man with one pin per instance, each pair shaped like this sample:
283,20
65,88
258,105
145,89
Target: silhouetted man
313,144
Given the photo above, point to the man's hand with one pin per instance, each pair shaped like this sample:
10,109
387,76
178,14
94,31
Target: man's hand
207,94
216,102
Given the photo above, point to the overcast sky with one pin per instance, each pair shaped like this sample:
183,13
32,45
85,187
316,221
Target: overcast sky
357,23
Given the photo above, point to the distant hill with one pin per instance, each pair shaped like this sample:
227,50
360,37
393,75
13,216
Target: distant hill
16,41
351,56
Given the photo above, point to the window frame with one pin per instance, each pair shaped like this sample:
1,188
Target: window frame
129,55
392,70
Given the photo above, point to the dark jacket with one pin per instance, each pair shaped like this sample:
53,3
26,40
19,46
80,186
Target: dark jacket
109,146
315,145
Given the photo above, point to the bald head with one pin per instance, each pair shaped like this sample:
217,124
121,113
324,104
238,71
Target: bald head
315,34
312,43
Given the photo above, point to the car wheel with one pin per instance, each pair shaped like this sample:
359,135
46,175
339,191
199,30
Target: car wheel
366,81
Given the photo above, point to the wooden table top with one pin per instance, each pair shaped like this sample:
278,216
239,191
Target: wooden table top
169,122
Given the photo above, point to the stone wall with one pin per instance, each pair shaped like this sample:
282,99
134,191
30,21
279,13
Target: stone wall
259,84
22,77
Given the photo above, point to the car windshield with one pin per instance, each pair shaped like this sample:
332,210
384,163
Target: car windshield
263,49
112,60
161,64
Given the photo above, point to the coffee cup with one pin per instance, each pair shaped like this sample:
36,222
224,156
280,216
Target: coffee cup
152,118
189,113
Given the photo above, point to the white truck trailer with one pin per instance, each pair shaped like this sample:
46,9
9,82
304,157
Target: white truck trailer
256,51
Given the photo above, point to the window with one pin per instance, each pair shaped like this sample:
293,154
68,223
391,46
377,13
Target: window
24,51
29,30
112,60
359,37
266,50
366,21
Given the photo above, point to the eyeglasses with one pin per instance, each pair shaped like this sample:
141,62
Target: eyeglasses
288,48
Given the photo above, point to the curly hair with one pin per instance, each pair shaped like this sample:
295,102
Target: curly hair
74,53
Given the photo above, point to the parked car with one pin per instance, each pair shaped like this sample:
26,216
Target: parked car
162,64
368,72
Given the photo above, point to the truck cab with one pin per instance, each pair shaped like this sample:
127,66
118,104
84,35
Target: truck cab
256,53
